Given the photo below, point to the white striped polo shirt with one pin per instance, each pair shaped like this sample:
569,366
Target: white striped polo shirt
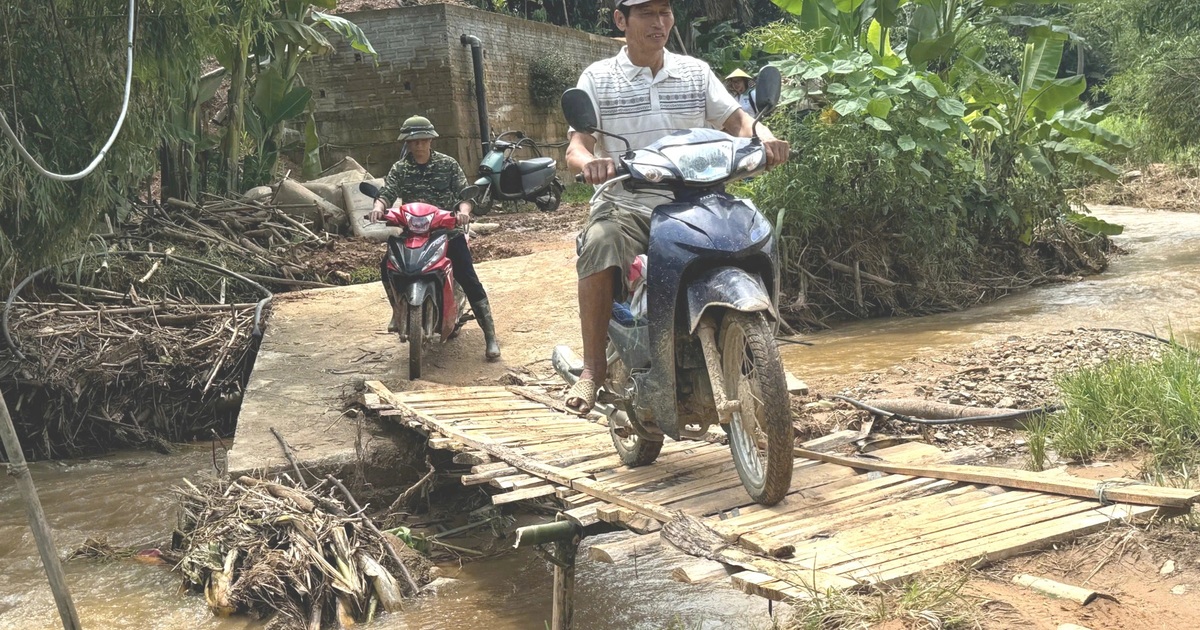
684,94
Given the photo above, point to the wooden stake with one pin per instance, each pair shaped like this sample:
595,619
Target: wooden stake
37,521
1046,586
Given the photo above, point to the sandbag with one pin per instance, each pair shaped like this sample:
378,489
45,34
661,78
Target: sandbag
338,179
259,193
329,192
297,200
357,207
344,165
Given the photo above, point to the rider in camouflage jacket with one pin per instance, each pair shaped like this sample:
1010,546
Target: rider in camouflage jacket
424,175
436,182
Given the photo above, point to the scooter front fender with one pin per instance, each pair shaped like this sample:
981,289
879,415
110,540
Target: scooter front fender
416,292
483,182
727,287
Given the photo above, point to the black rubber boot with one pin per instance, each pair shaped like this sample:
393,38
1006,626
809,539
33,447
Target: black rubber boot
483,314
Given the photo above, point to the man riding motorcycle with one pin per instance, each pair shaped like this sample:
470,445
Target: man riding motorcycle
642,94
425,175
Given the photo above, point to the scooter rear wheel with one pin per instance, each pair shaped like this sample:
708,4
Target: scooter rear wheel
633,449
760,434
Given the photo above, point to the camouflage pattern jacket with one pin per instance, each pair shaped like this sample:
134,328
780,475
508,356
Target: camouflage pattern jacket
436,182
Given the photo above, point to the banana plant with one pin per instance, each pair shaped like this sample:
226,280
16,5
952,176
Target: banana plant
295,37
1039,121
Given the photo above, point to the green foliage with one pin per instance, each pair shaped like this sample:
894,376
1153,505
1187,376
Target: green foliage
549,76
1124,405
63,69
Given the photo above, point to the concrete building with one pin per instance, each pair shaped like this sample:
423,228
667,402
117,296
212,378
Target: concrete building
423,68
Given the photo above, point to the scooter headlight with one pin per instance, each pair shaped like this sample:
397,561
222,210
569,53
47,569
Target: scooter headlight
420,225
702,163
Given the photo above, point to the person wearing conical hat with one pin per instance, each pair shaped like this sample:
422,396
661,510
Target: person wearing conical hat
738,84
425,175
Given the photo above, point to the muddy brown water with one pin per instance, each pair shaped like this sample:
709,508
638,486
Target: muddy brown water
126,497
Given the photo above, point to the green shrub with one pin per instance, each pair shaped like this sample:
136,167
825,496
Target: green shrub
549,76
1124,405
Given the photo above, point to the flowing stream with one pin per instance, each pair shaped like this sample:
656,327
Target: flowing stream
126,497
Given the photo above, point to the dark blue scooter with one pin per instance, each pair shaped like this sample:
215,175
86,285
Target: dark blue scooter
705,350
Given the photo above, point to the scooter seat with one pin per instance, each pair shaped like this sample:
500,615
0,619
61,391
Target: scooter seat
534,165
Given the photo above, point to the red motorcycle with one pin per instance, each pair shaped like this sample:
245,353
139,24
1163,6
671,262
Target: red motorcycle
427,303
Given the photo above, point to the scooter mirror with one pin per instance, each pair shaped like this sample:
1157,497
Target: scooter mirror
579,111
767,89
368,189
470,193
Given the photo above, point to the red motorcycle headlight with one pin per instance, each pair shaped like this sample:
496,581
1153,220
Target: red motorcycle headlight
420,225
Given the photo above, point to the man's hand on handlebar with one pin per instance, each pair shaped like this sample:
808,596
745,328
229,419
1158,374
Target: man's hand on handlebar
598,171
777,151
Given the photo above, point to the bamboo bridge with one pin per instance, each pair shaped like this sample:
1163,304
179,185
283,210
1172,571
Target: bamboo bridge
848,522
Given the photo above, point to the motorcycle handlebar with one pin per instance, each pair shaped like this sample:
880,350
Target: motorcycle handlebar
620,168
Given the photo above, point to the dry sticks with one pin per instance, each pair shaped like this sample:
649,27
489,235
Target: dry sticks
260,547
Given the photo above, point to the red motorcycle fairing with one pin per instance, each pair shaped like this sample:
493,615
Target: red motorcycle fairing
419,219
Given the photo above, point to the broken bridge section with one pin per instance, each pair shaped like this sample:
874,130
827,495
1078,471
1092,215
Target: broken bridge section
847,522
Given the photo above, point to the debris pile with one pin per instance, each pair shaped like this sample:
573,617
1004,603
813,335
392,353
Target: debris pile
273,550
127,349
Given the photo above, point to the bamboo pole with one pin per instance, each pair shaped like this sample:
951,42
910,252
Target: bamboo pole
565,535
37,521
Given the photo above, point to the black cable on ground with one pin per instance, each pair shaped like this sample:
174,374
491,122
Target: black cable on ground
797,342
1019,414
258,308
1169,342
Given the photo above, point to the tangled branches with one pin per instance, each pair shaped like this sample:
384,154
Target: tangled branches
146,364
260,547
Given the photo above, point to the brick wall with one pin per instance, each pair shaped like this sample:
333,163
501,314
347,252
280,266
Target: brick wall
423,68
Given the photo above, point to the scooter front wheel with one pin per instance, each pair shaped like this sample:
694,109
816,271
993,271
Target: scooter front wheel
416,340
760,434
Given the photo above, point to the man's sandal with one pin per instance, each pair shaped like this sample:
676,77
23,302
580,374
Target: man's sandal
585,390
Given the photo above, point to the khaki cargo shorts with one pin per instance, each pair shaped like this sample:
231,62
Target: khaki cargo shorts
612,237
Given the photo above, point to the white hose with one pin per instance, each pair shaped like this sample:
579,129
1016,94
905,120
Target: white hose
117,129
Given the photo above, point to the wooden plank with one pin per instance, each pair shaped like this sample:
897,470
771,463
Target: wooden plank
937,491
583,516
523,494
760,584
1010,543
766,545
625,549
542,398
628,519
854,558
680,461
482,468
489,446
445,444
795,386
822,526
698,571
797,506
448,394
607,493
488,476
1024,480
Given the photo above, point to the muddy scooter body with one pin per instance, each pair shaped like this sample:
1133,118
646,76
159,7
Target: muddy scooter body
428,304
702,351
503,178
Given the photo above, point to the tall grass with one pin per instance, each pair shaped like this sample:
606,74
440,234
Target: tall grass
1124,406
930,601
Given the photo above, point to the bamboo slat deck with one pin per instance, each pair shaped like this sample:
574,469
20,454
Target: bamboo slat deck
840,526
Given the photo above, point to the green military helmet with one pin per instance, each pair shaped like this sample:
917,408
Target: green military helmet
417,128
